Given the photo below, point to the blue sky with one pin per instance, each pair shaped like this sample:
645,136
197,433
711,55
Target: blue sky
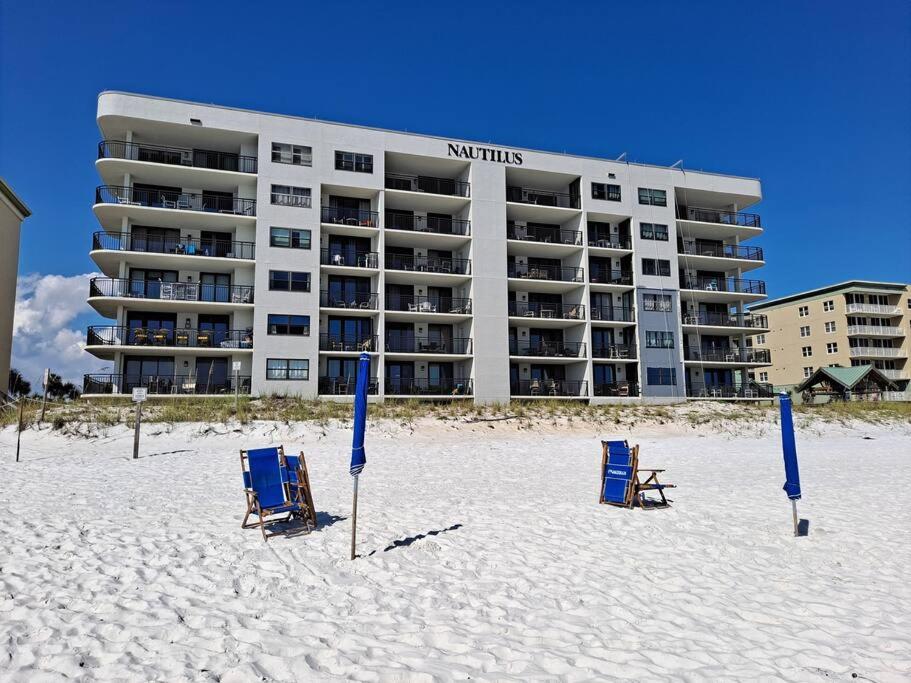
812,97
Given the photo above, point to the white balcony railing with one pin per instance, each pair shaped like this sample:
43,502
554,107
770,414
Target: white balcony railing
894,374
873,309
876,352
875,331
897,396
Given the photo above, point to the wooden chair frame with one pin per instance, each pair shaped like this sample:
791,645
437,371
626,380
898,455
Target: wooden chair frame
636,488
298,492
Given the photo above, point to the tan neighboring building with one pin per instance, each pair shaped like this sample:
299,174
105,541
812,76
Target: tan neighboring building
12,212
848,324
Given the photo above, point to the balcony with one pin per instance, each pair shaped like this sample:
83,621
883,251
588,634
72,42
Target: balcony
345,386
723,284
149,338
544,272
544,235
429,264
729,355
347,343
614,351
708,319
753,390
547,311
547,349
873,309
347,258
421,183
361,301
745,220
182,246
183,201
608,276
619,389
443,386
170,291
335,215
732,251
524,195
549,388
167,385
440,345
428,224
176,156
876,352
610,242
894,374
613,314
425,304
875,331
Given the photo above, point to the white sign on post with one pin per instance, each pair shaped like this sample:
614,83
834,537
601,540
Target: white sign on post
235,366
140,394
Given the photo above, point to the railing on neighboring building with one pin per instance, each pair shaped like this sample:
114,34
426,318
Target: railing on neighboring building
708,318
613,314
721,251
329,341
412,344
876,352
183,246
170,291
442,386
875,331
535,233
610,242
345,386
553,349
355,300
753,390
873,309
120,335
176,156
545,272
747,220
552,388
163,385
428,304
169,199
608,276
615,351
441,225
429,184
348,258
722,284
728,355
620,389
525,195
345,216
429,264
525,309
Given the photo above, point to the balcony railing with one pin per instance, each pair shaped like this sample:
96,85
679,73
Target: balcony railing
356,300
184,246
163,385
429,264
349,258
729,355
613,313
525,309
345,386
614,351
176,156
875,331
544,235
543,272
612,242
620,389
723,284
608,276
873,309
726,319
526,195
444,386
167,199
554,388
721,251
435,224
459,345
890,373
423,183
344,216
554,349
426,304
120,335
170,291
876,352
340,342
751,390
747,220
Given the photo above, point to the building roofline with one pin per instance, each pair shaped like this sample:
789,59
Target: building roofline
828,289
422,135
20,205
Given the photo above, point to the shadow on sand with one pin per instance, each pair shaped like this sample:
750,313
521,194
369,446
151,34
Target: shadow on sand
404,542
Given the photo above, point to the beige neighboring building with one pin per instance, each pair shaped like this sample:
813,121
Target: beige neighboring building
848,324
12,212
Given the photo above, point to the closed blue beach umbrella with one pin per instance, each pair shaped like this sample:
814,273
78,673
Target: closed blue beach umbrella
789,449
358,456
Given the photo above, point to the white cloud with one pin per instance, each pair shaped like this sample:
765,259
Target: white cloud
44,335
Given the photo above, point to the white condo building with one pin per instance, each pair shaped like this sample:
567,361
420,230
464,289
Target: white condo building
290,245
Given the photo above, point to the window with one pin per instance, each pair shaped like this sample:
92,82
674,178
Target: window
291,154
294,325
661,376
287,368
806,351
657,302
652,197
286,195
289,281
828,305
659,267
653,231
763,377
803,311
808,371
804,330
830,326
659,340
289,238
759,339
609,192
832,347
350,161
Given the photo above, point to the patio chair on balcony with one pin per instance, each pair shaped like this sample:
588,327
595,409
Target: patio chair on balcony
621,478
161,336
276,485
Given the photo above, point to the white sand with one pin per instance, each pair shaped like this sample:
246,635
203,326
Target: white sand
138,570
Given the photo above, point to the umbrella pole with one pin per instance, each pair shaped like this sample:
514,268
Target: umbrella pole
354,517
793,511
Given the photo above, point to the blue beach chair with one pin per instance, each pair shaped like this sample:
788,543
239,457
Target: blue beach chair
275,484
620,479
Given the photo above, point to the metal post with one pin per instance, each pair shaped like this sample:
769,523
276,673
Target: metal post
136,433
794,512
47,377
354,517
19,432
235,392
